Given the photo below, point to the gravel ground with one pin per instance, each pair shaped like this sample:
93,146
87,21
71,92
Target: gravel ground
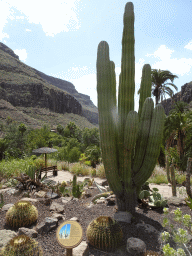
85,215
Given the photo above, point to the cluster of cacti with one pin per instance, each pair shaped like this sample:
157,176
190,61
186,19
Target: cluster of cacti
63,184
22,245
155,199
130,141
21,214
104,233
76,190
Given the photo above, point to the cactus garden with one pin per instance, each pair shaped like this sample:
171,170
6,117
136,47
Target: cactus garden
125,151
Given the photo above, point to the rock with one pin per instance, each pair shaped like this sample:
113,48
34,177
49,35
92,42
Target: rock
57,207
45,201
26,231
6,207
42,91
52,195
6,236
184,95
47,225
40,193
134,245
8,50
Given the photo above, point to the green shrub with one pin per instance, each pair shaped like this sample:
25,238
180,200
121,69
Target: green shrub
74,155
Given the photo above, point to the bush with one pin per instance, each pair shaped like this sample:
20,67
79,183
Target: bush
74,155
78,168
93,153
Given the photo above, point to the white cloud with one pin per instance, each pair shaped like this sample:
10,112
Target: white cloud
28,30
189,46
22,54
85,81
163,53
57,15
176,66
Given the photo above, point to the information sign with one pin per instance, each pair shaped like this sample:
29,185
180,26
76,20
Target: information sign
69,235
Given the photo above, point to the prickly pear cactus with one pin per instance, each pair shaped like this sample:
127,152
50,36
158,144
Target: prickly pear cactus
21,214
104,233
22,245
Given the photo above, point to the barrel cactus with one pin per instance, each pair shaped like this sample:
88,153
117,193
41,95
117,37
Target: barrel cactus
104,233
22,245
21,214
130,141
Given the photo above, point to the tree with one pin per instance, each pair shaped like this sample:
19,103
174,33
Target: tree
93,153
22,128
60,129
176,126
159,88
38,138
14,141
159,77
72,131
90,137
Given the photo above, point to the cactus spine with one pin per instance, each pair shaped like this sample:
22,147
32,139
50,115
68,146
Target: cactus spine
130,141
104,233
22,245
21,214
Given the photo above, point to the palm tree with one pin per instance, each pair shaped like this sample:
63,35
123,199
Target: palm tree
158,78
176,126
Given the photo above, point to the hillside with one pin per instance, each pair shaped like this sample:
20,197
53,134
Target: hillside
184,95
26,93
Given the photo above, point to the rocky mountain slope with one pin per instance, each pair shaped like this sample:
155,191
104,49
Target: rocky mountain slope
25,87
32,97
184,95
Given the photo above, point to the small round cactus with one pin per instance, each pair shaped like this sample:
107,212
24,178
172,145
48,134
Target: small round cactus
21,214
104,233
63,184
22,245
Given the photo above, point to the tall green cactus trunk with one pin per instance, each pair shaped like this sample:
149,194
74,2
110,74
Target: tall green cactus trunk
130,141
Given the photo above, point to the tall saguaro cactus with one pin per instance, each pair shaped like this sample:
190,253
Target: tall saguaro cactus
130,141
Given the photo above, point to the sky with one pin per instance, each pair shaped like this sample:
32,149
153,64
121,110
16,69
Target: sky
60,38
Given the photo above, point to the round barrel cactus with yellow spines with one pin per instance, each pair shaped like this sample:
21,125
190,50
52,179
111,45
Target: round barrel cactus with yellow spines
21,214
22,245
104,233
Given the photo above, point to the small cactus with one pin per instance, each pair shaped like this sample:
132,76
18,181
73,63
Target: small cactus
22,245
104,233
21,214
76,190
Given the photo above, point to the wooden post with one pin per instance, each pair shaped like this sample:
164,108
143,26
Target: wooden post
173,181
69,252
46,164
188,189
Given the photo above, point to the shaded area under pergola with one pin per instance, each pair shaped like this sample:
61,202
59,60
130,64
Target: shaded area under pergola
44,150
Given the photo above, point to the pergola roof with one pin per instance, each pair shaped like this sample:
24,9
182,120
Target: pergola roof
44,150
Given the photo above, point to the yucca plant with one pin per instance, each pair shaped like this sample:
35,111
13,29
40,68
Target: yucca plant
130,141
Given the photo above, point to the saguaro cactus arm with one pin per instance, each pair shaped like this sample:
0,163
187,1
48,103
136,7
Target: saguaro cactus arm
126,79
153,146
131,130
106,89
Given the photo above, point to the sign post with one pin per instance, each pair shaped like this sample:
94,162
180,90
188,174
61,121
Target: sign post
69,235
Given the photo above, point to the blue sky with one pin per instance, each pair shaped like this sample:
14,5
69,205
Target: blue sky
60,38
